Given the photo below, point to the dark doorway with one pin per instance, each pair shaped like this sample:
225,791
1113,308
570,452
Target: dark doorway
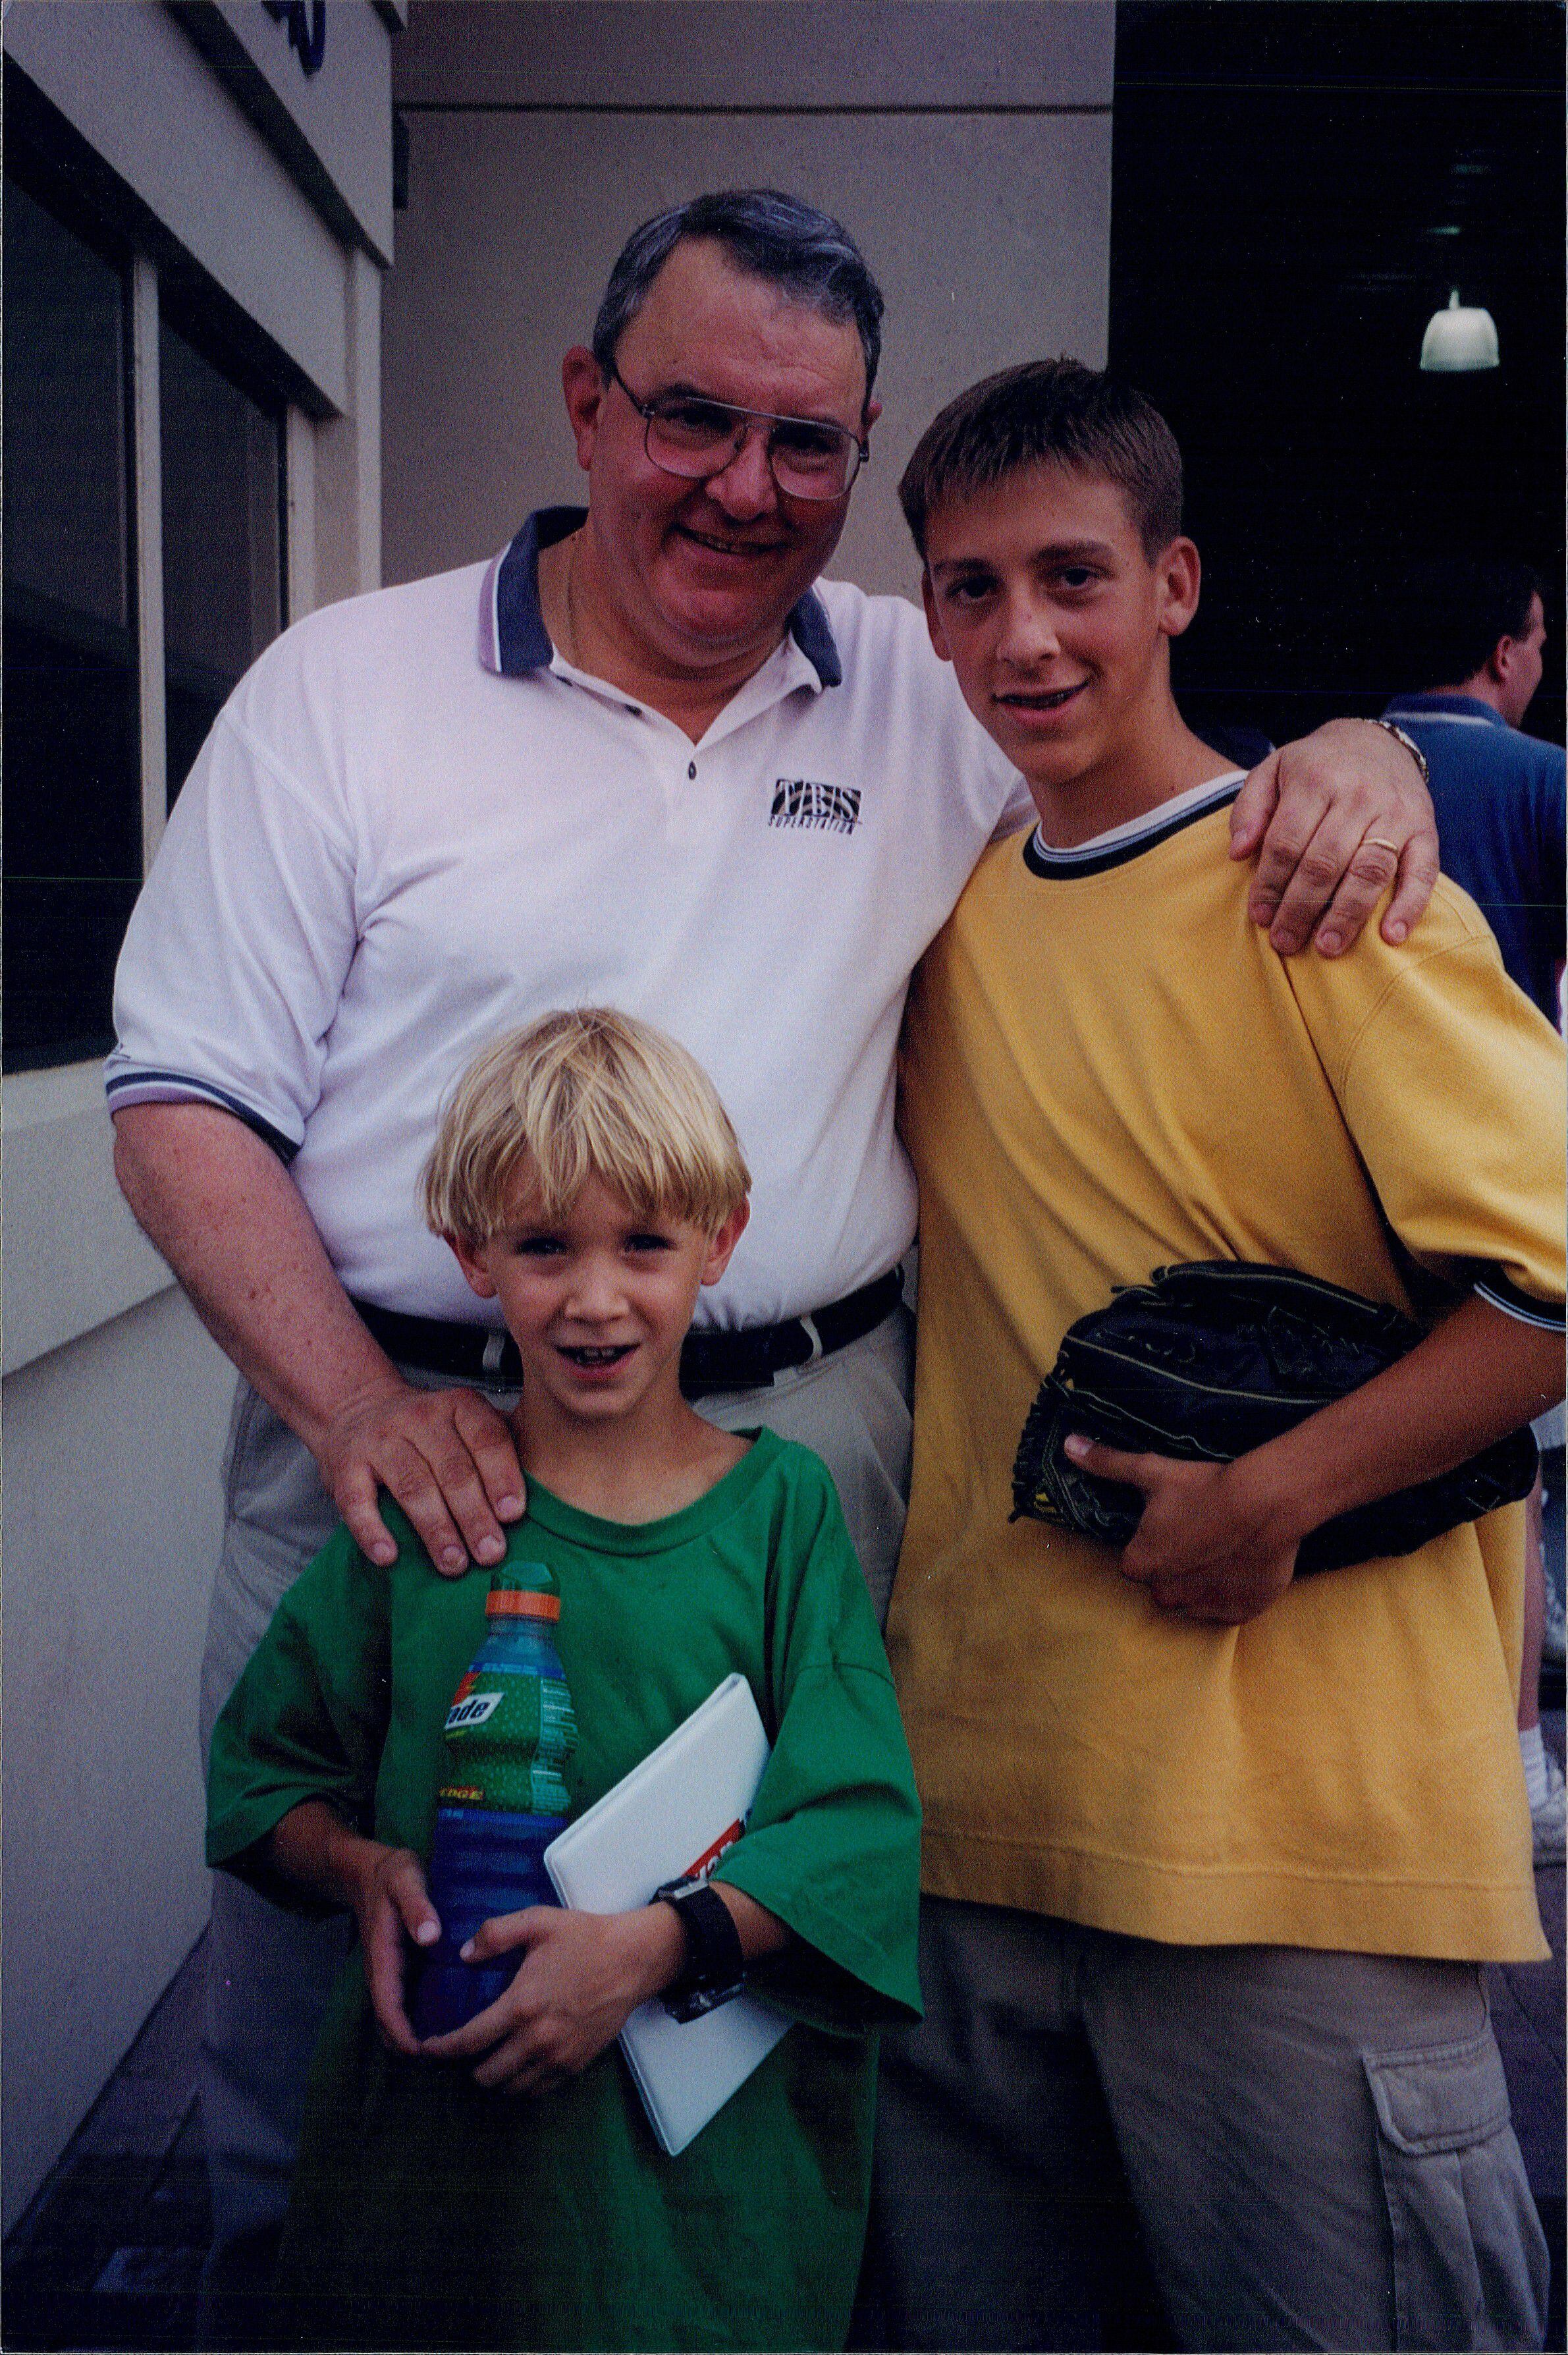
1296,189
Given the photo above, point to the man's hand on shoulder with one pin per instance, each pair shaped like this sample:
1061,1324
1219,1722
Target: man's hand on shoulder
1340,816
446,1455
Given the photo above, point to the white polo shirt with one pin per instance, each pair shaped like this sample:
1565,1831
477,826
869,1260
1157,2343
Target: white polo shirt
404,836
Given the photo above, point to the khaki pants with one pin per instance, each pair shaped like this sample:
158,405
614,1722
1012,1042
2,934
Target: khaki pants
270,1973
1316,2146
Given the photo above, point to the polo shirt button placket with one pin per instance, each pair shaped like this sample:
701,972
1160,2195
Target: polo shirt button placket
680,818
689,823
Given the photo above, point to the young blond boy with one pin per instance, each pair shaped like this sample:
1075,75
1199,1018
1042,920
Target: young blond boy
1208,1848
586,1177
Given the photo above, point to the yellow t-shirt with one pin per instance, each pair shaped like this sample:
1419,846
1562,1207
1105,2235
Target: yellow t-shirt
1107,1069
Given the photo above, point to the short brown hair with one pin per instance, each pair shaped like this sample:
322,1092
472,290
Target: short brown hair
589,1094
1459,607
1049,412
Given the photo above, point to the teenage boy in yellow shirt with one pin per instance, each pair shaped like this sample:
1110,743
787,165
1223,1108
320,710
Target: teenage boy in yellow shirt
1230,1843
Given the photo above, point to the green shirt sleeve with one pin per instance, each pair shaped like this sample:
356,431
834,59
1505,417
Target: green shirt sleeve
306,1720
833,1843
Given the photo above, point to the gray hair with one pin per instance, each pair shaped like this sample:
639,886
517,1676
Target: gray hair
769,235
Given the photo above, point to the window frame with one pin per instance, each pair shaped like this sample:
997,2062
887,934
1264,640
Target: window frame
153,298
183,318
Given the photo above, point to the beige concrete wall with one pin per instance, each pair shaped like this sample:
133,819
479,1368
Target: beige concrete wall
966,144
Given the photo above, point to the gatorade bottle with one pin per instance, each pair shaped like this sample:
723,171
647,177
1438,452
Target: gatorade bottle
509,1732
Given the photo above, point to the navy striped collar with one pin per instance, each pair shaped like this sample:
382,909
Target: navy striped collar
1130,841
1443,707
513,638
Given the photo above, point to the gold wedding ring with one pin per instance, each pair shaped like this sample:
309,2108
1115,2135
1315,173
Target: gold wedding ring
1380,842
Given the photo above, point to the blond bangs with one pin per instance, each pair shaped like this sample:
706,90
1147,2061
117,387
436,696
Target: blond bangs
591,1093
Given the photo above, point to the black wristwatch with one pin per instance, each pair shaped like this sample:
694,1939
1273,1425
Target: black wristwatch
714,1968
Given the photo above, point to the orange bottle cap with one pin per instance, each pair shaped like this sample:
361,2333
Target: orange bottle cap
515,1603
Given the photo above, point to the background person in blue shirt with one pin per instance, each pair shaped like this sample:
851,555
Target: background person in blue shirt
1499,799
1498,794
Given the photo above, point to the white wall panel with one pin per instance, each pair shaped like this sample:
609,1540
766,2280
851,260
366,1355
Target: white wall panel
112,1512
126,76
115,1401
340,113
73,1254
348,451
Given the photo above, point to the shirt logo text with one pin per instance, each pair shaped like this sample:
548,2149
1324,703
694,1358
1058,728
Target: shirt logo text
802,800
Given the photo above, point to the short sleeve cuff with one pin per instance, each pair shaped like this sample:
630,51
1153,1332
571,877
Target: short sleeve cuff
1494,1287
134,1083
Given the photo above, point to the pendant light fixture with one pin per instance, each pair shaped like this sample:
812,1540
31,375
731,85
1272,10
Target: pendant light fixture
1457,340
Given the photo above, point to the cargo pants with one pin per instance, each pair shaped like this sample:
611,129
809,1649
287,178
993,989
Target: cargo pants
1313,2149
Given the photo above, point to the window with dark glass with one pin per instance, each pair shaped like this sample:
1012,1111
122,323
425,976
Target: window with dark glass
222,461
72,788
72,751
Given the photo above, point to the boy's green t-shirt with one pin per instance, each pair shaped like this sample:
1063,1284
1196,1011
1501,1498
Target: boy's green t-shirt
427,2212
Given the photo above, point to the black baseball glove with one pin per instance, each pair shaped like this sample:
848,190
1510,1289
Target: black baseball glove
1211,1359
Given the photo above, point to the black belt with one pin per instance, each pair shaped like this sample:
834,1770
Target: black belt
710,1362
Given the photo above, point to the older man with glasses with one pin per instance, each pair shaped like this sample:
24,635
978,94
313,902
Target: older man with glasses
644,757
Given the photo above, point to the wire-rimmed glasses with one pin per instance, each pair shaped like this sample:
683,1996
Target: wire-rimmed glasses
687,434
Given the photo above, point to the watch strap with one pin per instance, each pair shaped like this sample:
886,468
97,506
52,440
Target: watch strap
714,1968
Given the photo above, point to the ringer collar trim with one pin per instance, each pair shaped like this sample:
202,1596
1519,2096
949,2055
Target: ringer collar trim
513,640
1467,708
1127,842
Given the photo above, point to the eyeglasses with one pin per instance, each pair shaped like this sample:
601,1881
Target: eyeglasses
685,433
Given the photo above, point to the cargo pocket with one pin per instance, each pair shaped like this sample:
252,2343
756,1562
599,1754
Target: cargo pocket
1469,2258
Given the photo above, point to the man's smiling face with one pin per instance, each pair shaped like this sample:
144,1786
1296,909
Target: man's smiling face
703,573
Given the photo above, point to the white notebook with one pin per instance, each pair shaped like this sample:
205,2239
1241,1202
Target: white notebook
675,1814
